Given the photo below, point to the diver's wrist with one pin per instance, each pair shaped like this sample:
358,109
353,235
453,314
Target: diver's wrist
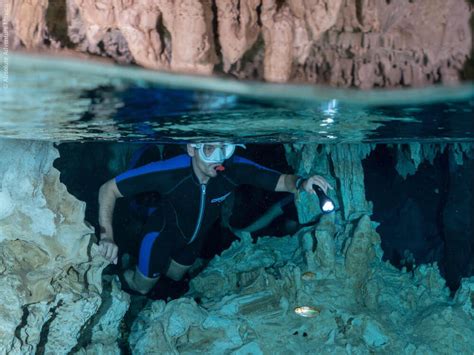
299,183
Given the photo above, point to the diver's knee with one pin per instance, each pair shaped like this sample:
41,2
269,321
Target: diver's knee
177,271
139,282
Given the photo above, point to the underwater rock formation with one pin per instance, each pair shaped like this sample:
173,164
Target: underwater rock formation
55,299
51,286
361,304
347,43
104,331
248,295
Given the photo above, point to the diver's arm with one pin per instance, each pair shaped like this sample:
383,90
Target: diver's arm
108,194
287,183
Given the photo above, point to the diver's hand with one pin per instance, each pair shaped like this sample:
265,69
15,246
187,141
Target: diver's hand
316,180
108,249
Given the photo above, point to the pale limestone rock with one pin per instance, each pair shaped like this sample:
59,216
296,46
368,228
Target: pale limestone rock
465,296
138,21
312,19
326,248
161,328
44,254
408,159
193,38
310,160
429,278
238,25
347,178
360,252
391,311
376,43
302,43
373,335
440,329
347,162
98,16
112,43
289,31
278,28
245,274
28,19
10,312
307,206
188,22
6,205
249,348
319,15
71,312
308,246
105,328
361,43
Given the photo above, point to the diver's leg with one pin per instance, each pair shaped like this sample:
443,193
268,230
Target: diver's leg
154,258
145,276
139,282
183,258
176,271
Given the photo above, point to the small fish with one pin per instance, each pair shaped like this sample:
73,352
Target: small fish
307,311
308,275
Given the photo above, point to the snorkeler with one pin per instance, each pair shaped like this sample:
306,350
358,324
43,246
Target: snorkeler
192,188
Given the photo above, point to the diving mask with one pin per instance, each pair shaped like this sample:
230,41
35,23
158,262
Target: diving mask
215,153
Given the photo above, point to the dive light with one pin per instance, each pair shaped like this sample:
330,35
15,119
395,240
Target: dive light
326,204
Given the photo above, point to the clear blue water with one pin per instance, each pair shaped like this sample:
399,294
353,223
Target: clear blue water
71,100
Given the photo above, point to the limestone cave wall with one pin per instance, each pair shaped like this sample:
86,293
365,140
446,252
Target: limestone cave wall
51,277
346,43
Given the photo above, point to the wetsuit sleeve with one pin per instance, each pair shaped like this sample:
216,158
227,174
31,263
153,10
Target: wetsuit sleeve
130,183
243,171
157,177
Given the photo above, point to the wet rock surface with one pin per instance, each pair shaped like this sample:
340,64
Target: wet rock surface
50,284
250,293
349,43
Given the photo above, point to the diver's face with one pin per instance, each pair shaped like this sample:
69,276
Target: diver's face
201,168
208,169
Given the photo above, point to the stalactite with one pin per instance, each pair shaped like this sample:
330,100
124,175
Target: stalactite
359,43
411,155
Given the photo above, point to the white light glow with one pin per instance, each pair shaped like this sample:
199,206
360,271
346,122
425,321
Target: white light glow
331,108
328,206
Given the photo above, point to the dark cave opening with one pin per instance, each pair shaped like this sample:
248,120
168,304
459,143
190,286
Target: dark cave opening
426,217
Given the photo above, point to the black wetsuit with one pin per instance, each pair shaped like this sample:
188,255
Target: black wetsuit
187,209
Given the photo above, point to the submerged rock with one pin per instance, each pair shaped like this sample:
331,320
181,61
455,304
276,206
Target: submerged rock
6,205
50,283
248,295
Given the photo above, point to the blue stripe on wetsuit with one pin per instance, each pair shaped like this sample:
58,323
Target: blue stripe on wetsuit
145,253
239,159
181,161
137,155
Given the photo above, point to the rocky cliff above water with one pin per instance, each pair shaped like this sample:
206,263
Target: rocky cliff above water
346,43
